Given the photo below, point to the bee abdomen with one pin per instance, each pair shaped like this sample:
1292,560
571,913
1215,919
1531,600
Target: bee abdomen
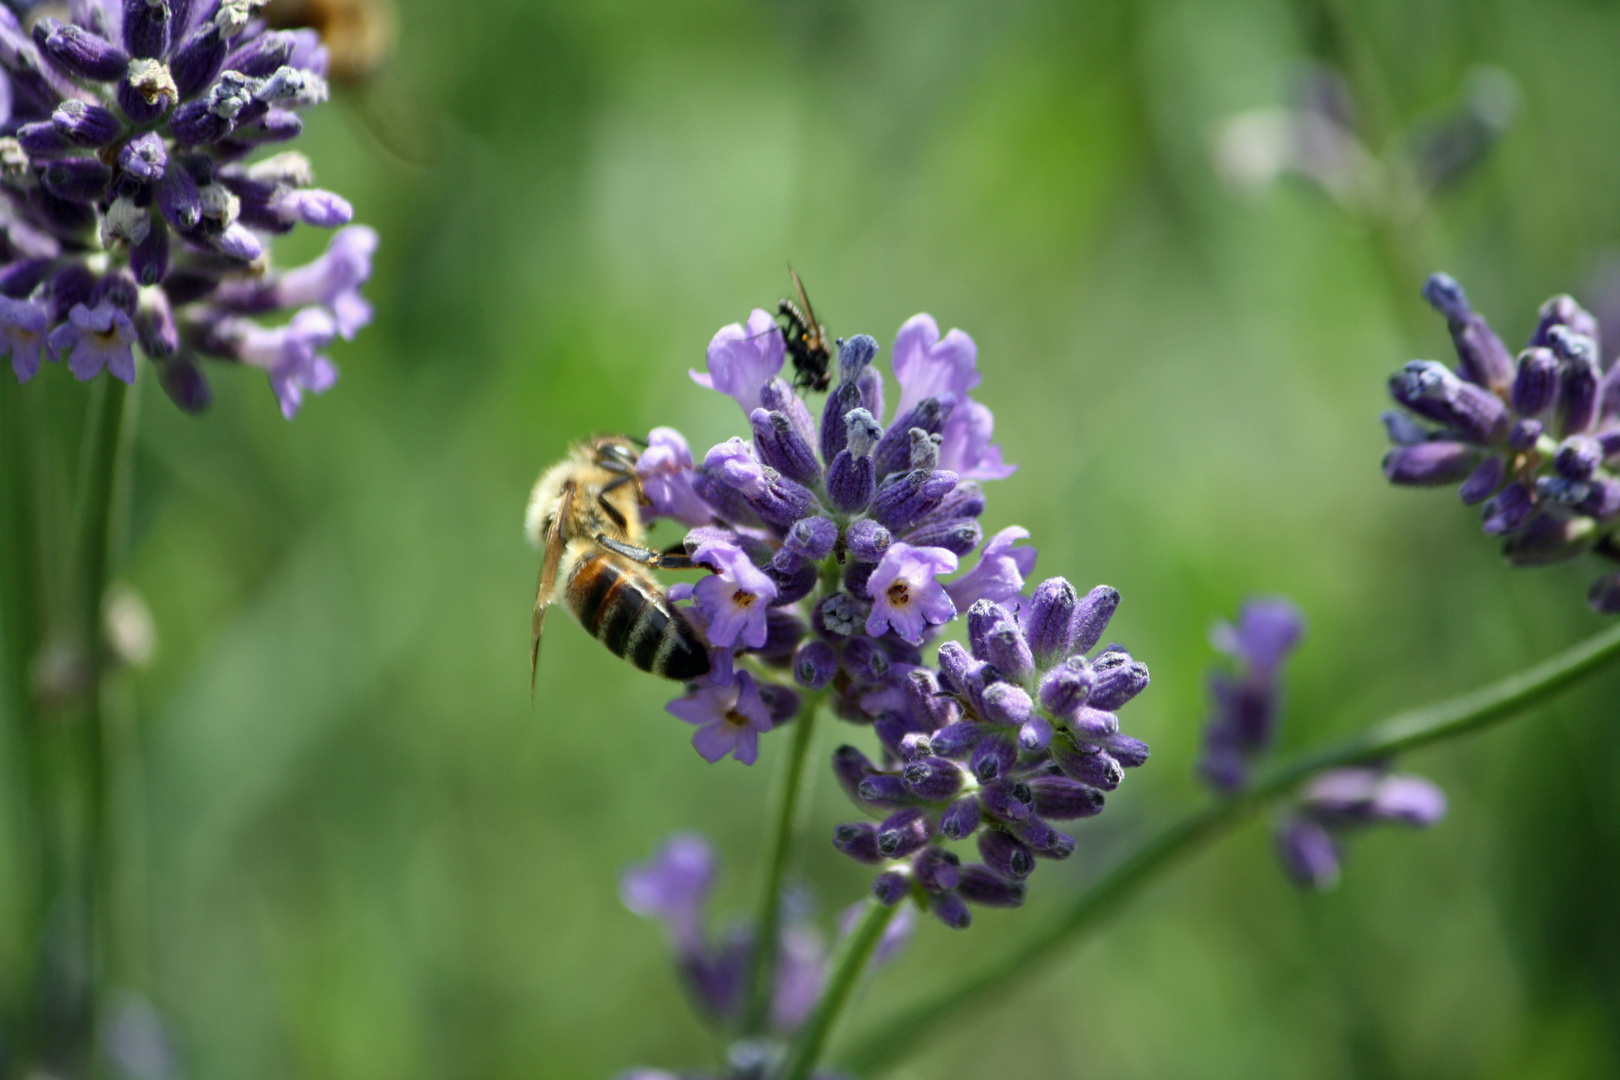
629,615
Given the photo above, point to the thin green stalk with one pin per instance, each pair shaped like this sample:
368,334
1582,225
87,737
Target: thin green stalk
1464,715
784,829
846,971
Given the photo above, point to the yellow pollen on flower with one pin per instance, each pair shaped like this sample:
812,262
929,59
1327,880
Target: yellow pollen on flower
736,719
108,336
743,598
899,594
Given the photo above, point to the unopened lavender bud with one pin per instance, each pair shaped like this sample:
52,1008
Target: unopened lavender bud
1432,391
1430,464
1048,617
865,659
1035,734
1510,509
1577,404
178,197
43,139
1309,855
1536,383
79,180
1007,799
914,746
1097,768
902,833
851,767
1602,498
982,617
147,25
1482,358
1067,686
155,327
954,664
993,756
891,887
277,125
815,664
85,125
958,739
933,779
959,536
883,790
1008,652
1092,724
1129,752
1549,538
1604,597
183,381
1056,845
1563,311
1410,800
922,690
983,886
80,52
893,451
949,908
1483,481
902,502
263,55
855,356
961,818
1402,429
778,444
867,540
144,157
1063,799
1524,434
1005,855
858,840
1118,684
1005,703
936,869
850,482
1091,618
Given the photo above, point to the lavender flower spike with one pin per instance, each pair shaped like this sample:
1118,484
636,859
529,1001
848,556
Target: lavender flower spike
742,359
905,596
729,719
124,140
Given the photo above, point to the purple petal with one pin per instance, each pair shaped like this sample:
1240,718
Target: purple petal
742,359
926,366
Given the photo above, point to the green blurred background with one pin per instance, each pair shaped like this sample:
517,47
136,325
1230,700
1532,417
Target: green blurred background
355,850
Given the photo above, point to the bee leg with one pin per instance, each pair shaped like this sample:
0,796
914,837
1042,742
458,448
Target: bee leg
647,556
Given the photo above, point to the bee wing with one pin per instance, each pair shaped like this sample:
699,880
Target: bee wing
548,577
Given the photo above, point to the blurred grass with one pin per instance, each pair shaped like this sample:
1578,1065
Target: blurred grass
369,857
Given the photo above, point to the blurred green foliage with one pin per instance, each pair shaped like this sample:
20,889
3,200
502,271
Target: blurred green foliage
355,850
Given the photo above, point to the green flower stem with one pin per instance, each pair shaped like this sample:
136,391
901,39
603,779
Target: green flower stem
785,823
1452,719
847,967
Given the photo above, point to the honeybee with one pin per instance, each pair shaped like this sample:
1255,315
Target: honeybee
805,339
586,512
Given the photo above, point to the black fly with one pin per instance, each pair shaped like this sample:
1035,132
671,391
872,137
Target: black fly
805,340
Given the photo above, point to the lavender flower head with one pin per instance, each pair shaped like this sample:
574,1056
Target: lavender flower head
840,547
132,216
1535,439
1310,832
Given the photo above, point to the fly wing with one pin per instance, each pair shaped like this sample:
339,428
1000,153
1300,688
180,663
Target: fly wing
548,577
804,302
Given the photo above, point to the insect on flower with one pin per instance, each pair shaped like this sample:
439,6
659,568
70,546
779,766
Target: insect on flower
586,512
805,339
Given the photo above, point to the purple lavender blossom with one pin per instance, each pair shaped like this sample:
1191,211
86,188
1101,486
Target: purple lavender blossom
673,887
743,359
928,366
735,599
135,218
1534,440
905,596
1310,837
999,574
665,471
729,719
24,333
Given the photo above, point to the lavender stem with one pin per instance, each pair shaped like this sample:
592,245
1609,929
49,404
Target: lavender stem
846,970
784,831
1459,716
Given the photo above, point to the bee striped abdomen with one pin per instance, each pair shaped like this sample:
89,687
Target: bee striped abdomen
630,616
